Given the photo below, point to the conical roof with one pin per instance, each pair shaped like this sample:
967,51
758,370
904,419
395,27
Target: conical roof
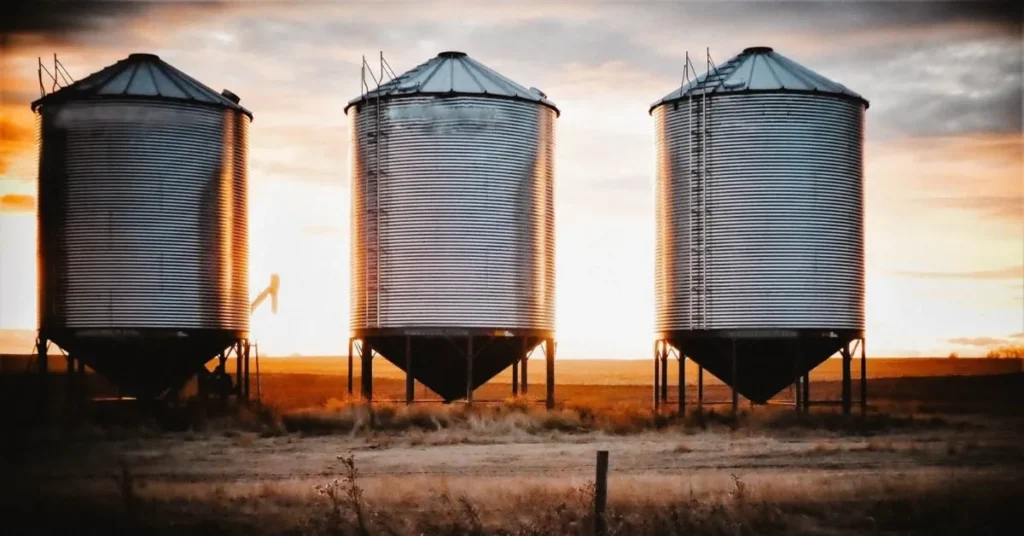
455,73
142,76
760,70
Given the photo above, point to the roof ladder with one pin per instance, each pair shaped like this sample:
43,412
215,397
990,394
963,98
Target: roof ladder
698,117
373,222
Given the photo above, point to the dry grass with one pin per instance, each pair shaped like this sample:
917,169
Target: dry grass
518,419
948,502
515,468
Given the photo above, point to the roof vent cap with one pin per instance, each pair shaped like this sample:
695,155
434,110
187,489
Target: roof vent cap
231,96
757,50
143,56
451,54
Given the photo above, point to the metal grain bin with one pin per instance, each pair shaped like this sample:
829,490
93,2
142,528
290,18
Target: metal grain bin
452,220
143,222
760,219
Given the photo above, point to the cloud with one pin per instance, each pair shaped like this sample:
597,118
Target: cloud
1003,208
978,176
17,203
14,140
986,342
324,230
58,17
1014,272
939,86
66,22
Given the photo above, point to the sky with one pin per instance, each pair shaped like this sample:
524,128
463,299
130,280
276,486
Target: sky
944,177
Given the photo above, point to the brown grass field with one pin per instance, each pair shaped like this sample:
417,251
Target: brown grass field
938,453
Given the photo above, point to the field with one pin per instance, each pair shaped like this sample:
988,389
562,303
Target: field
939,452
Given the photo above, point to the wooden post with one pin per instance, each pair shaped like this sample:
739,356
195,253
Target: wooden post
410,384
550,361
367,373
601,493
847,383
350,343
863,378
469,370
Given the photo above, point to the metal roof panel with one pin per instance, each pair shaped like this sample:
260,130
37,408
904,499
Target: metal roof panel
144,76
759,69
454,72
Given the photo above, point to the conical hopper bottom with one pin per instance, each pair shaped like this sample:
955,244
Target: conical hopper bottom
146,367
440,363
764,367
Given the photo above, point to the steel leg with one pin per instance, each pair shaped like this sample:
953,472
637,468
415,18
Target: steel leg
367,372
410,385
682,384
469,371
863,378
735,393
700,388
657,374
350,343
549,355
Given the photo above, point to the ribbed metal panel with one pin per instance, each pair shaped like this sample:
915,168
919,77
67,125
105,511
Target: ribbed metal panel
784,223
459,213
143,216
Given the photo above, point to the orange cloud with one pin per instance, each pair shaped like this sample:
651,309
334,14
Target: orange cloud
15,139
17,203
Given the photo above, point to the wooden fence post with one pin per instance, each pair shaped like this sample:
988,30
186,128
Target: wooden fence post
601,493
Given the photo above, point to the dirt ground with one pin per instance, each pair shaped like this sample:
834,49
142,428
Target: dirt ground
522,470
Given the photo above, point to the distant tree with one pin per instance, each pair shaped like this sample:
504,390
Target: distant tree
954,355
1013,351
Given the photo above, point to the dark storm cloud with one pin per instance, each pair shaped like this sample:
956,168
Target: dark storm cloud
80,21
1013,272
936,86
826,18
64,20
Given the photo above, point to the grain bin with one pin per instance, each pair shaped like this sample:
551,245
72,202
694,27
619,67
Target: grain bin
143,223
453,246
760,220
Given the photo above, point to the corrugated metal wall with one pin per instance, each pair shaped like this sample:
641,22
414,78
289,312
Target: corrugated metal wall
459,229
784,212
143,216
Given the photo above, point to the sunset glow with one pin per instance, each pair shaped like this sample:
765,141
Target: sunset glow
943,169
